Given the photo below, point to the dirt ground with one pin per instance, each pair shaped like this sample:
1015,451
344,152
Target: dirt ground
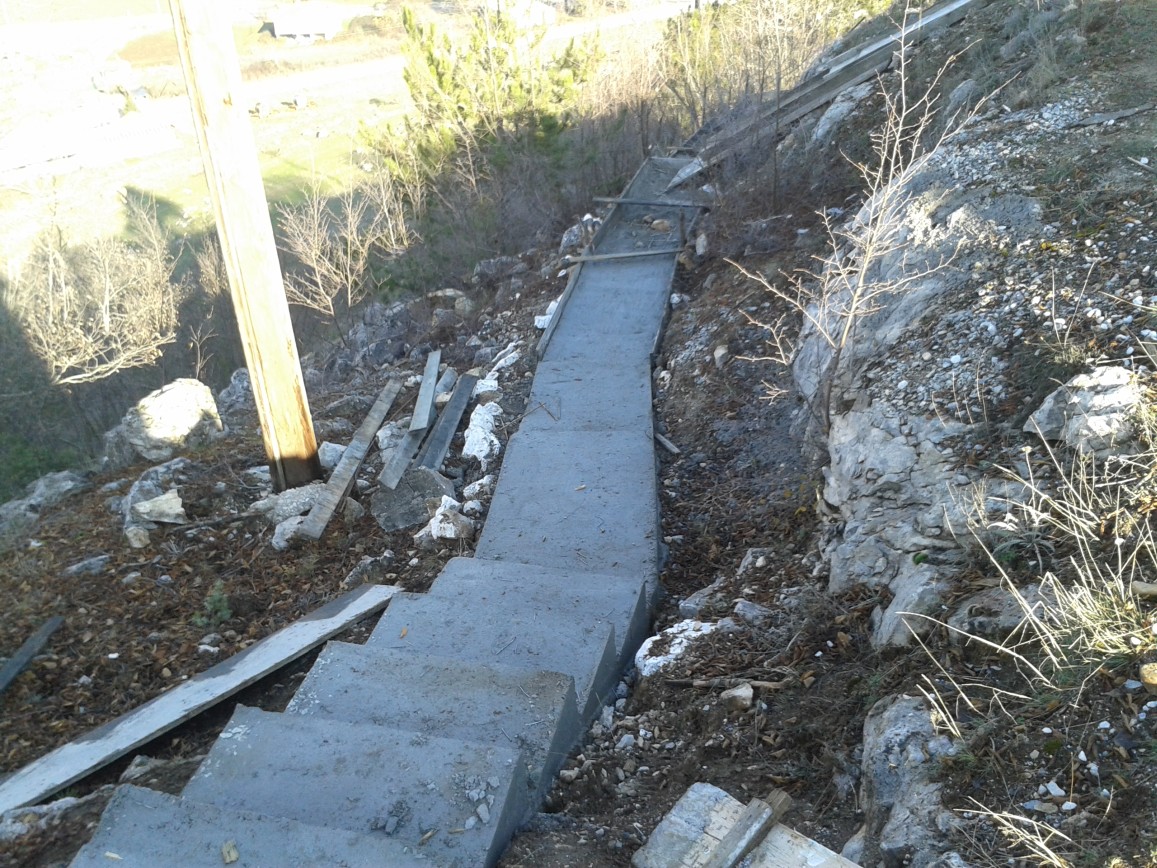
742,482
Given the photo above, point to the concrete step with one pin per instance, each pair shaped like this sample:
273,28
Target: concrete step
616,310
562,638
458,801
142,828
621,601
591,396
447,697
577,500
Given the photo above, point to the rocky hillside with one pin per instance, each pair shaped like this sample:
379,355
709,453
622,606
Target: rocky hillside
907,375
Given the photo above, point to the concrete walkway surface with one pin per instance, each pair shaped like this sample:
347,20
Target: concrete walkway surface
433,742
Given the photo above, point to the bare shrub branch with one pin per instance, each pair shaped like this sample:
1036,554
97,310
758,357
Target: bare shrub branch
106,306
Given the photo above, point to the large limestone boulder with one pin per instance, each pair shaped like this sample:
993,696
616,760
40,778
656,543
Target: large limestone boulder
175,417
1091,413
904,821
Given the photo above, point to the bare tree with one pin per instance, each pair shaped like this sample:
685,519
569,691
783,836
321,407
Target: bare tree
93,310
337,243
869,258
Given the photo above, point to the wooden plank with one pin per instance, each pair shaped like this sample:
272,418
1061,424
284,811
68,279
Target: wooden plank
342,479
850,68
80,758
785,846
627,254
793,107
236,190
751,827
438,444
29,649
424,406
397,462
552,326
651,203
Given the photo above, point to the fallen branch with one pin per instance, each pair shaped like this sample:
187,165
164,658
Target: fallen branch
712,683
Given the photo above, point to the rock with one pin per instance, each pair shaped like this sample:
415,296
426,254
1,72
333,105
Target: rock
17,517
1092,413
287,532
329,454
904,822
479,488
693,606
391,434
351,510
166,509
405,505
177,416
292,502
542,322
448,523
625,743
675,639
89,566
137,536
739,698
238,395
490,270
753,559
445,384
481,441
842,106
1148,676
369,570
994,613
753,613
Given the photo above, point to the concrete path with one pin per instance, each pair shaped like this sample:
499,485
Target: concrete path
435,740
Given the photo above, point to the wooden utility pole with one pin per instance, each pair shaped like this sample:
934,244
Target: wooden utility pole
213,78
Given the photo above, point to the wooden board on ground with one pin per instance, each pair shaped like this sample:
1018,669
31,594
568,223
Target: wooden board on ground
424,406
27,650
342,478
626,254
749,830
695,830
438,443
850,68
82,757
396,462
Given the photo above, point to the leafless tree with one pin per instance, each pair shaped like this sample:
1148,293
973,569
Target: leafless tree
93,310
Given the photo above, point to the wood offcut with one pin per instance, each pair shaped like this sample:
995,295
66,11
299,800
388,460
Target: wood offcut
342,479
78,759
29,649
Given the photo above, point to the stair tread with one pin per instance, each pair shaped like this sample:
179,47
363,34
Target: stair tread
447,697
143,827
361,777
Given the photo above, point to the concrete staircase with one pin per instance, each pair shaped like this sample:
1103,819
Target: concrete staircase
434,741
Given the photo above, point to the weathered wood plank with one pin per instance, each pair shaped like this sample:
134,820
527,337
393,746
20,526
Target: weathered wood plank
652,203
626,254
343,475
424,406
785,846
80,758
552,326
397,461
438,443
751,827
852,67
29,649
